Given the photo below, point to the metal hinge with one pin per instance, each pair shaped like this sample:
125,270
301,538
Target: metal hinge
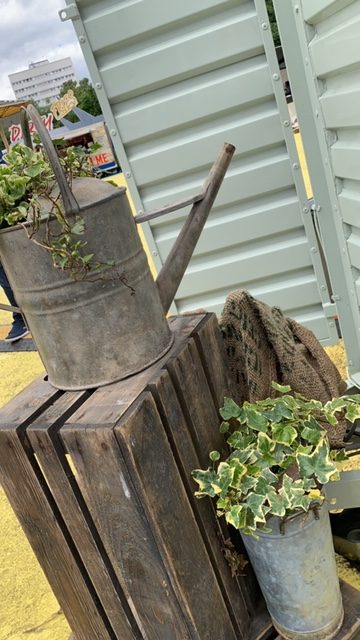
71,12
330,310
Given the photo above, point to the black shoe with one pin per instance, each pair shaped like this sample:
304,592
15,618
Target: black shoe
17,332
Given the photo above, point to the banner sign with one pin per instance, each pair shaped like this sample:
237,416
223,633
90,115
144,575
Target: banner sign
16,132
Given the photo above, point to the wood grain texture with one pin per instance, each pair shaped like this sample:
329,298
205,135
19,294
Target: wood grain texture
196,401
209,343
43,435
121,522
153,470
183,450
37,514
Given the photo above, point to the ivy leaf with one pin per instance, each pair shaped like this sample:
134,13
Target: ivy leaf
277,503
256,504
284,433
255,420
264,444
317,464
34,170
237,516
205,480
352,412
339,455
239,440
239,470
225,477
279,411
224,427
269,476
281,388
312,435
248,483
230,409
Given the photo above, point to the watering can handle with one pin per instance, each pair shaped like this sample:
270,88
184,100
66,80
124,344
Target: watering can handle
178,259
70,203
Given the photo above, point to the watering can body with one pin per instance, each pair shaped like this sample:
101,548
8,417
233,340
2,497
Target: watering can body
112,324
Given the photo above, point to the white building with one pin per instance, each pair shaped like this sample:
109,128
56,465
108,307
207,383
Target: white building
42,81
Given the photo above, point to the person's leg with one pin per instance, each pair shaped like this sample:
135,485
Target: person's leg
19,328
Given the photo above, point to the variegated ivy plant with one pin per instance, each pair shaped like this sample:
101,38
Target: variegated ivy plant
280,457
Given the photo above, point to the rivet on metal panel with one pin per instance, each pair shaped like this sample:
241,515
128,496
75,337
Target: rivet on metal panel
306,210
82,39
295,165
286,123
323,288
113,132
98,85
314,250
276,76
264,26
331,324
127,174
140,212
155,253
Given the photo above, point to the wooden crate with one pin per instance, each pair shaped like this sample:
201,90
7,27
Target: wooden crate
100,482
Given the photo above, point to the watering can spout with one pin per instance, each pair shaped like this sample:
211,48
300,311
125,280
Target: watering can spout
178,259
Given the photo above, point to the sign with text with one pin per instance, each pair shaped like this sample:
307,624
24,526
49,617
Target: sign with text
16,132
61,107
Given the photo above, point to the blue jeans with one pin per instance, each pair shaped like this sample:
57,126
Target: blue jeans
5,284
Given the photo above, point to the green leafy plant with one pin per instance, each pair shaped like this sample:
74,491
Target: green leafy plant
280,457
28,196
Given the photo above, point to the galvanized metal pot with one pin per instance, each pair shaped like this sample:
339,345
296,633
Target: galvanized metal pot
90,333
297,575
95,331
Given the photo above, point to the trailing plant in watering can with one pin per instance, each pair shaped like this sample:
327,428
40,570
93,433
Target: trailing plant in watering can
269,488
28,196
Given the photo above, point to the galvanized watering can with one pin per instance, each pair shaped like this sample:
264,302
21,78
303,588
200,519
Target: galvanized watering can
93,333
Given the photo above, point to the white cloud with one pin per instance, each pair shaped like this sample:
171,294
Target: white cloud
31,30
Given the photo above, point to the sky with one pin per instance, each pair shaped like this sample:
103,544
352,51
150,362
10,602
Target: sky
31,30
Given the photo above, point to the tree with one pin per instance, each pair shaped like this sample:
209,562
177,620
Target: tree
272,18
85,95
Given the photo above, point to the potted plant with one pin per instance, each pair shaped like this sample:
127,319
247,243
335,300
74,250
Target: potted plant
269,488
90,329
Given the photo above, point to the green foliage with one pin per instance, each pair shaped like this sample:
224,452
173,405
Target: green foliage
85,95
274,27
28,189
280,457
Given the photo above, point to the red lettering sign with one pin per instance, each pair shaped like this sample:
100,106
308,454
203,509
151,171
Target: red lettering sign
16,132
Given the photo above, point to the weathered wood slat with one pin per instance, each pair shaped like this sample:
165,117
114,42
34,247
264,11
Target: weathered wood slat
34,507
43,435
196,401
120,520
177,430
154,472
209,343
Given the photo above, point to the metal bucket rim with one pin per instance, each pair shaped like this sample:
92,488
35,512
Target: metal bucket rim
264,534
